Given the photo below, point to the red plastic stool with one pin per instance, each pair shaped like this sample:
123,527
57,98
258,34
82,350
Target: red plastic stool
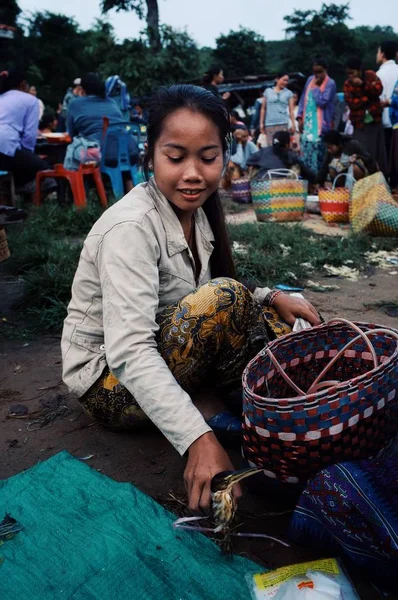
76,182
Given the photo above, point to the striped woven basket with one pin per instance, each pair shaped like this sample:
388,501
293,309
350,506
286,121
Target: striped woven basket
335,203
373,210
241,190
294,433
279,199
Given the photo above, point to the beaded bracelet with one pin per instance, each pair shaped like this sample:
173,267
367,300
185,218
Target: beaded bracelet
271,297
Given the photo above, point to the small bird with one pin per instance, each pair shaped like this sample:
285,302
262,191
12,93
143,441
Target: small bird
223,502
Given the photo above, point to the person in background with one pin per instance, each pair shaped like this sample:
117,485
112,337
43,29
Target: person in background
279,156
362,90
255,117
393,107
388,75
73,92
342,153
213,78
33,91
139,114
61,122
277,107
244,149
19,122
294,126
235,120
86,118
315,113
48,123
116,89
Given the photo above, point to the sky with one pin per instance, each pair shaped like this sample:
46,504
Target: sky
205,20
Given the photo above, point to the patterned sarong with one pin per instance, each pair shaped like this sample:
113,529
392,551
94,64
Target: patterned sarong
210,334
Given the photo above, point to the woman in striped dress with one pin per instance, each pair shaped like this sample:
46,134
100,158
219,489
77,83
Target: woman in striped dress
277,107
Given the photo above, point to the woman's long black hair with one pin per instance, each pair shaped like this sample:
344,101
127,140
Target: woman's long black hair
210,74
164,102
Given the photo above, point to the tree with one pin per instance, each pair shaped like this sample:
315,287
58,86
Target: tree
241,52
152,15
55,51
322,33
9,11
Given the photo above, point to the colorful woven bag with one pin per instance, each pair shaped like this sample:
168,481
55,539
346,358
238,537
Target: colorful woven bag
294,432
279,199
241,190
335,203
373,210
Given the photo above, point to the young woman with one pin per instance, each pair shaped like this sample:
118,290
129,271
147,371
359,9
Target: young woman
362,90
212,79
19,122
156,314
277,107
315,113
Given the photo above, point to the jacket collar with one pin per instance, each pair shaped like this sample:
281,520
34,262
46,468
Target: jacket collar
176,241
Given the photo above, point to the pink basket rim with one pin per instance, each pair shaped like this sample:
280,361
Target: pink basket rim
325,392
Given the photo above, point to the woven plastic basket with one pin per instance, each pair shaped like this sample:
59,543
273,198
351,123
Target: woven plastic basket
335,203
293,434
279,199
373,209
241,190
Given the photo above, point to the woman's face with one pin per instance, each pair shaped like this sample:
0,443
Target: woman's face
319,72
283,81
188,159
219,78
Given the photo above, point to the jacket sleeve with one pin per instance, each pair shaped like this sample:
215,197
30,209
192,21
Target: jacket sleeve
130,285
324,98
373,86
30,127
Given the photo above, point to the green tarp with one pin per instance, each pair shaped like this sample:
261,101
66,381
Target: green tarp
88,537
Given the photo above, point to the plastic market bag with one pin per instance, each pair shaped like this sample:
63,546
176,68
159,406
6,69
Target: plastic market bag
316,580
81,151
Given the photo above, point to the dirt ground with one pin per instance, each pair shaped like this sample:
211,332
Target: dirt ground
30,374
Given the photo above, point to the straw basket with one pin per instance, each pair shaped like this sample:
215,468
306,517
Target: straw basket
373,209
294,432
335,203
241,190
279,199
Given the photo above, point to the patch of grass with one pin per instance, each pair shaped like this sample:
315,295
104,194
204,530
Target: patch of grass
267,263
45,252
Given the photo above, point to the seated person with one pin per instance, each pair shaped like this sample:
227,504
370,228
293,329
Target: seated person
48,123
235,120
244,149
139,114
19,122
342,153
279,156
86,118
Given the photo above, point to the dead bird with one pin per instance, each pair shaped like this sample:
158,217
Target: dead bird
223,502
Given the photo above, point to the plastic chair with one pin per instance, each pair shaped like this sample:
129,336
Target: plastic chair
121,132
76,182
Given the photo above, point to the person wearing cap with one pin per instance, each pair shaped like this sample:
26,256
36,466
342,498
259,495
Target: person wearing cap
73,92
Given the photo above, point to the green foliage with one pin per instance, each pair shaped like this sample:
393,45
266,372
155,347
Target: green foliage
9,11
323,33
241,52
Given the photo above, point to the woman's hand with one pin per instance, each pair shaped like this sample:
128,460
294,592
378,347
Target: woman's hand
300,124
226,95
290,308
206,458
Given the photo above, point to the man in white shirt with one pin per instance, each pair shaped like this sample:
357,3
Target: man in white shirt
388,74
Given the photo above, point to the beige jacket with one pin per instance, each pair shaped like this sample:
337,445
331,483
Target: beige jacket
136,261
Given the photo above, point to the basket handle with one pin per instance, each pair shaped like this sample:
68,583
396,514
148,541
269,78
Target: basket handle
280,172
316,385
346,175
